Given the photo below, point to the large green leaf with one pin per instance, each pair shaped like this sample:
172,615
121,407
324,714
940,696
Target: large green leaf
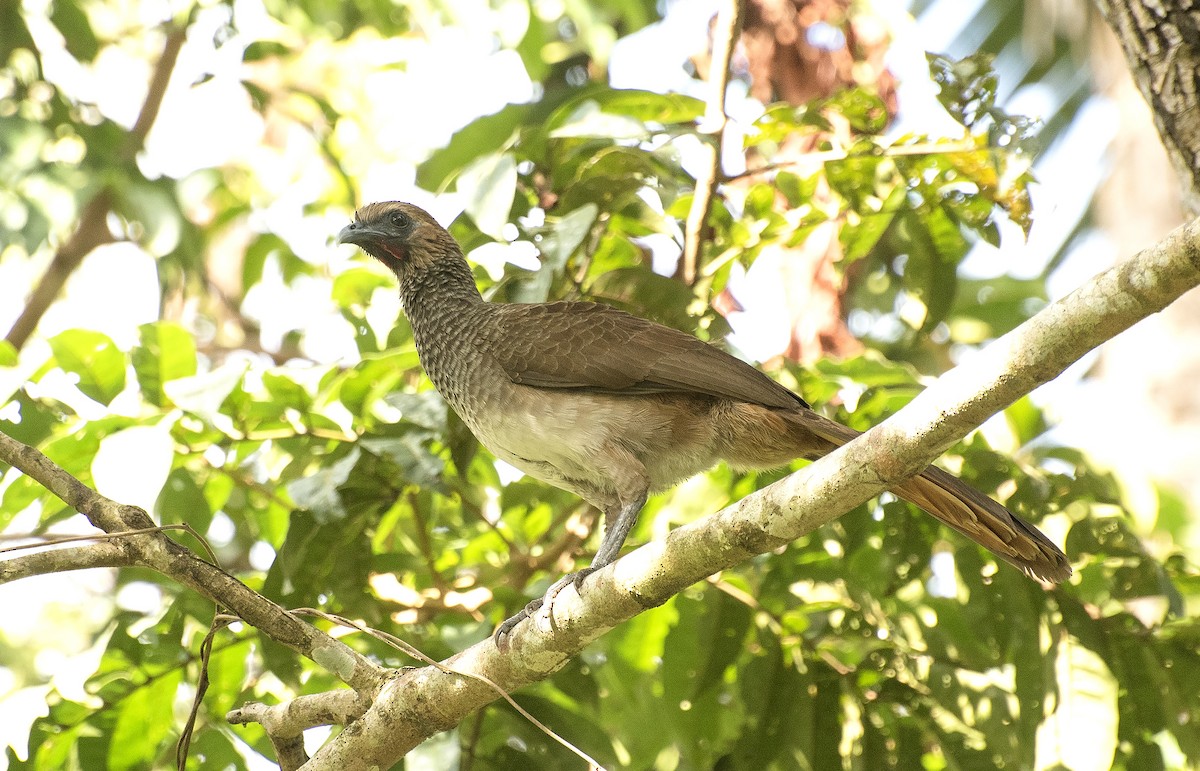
166,352
488,185
139,728
484,135
94,358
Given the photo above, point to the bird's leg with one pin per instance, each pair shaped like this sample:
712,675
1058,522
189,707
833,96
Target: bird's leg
618,521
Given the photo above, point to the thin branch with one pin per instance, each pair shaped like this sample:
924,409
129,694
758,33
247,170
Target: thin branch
286,723
251,332
157,552
724,34
424,701
155,91
93,555
92,230
841,154
220,621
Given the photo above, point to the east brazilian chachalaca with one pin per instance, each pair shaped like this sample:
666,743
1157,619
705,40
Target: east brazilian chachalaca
613,407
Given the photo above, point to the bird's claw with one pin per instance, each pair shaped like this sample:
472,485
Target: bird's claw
500,637
505,629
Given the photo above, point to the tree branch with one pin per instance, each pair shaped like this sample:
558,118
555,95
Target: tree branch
156,551
724,35
92,229
93,555
285,723
1160,44
422,702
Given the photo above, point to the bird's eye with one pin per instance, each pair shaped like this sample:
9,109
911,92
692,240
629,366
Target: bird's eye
401,220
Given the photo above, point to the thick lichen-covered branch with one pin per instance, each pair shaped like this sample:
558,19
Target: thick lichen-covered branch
154,550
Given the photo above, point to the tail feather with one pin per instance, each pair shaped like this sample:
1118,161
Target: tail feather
986,522
952,501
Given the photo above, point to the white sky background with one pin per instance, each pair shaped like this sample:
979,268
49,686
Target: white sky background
213,123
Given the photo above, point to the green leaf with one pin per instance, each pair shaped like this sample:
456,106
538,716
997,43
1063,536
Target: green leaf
16,33
865,111
988,308
599,111
317,492
8,354
259,96
166,352
426,409
417,465
861,237
264,49
94,358
719,624
182,500
72,22
645,293
485,135
353,288
760,201
589,119
140,727
286,392
33,422
795,189
966,87
256,256
1026,420
779,709
488,186
203,394
647,106
557,246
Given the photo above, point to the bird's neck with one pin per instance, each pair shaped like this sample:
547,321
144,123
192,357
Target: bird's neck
439,299
447,280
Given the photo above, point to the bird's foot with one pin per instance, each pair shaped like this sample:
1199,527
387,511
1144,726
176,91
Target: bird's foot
500,636
502,632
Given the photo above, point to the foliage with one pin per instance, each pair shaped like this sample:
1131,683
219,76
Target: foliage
881,640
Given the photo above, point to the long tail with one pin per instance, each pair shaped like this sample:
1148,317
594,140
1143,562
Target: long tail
955,503
986,522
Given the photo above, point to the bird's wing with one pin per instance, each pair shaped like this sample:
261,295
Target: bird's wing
599,348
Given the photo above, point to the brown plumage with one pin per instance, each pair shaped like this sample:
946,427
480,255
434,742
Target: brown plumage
613,407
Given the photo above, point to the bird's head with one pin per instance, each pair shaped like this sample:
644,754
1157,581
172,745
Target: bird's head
403,237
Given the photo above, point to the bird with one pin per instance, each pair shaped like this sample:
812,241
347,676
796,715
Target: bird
613,407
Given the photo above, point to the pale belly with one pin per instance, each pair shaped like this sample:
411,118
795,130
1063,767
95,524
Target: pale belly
593,443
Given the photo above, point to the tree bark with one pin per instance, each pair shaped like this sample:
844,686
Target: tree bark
1161,41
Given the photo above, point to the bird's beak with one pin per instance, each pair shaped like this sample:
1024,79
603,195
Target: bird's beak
359,234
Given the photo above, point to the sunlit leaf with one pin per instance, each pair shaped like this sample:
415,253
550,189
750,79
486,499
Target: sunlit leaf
166,352
94,358
488,186
484,135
